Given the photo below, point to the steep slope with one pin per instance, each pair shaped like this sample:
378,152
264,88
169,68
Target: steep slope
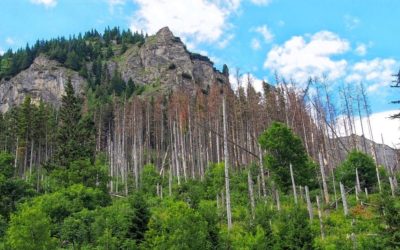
43,80
162,60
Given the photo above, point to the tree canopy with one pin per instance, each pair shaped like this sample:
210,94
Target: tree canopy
346,172
284,148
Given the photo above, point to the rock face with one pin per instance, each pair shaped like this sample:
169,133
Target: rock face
162,60
43,80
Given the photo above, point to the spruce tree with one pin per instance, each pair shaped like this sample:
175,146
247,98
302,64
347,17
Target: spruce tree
284,148
68,139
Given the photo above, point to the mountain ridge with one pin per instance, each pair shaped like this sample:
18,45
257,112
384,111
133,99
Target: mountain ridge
162,59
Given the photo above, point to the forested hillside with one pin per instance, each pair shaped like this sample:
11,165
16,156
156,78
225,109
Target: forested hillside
147,146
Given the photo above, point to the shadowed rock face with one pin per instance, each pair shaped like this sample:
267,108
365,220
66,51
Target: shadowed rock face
163,60
43,80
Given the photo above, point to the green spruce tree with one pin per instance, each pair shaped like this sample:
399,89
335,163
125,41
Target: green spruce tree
70,143
284,148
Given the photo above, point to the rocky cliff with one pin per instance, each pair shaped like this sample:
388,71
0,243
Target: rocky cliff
43,80
162,60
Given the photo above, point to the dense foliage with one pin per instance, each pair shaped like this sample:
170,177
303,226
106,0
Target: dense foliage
346,172
73,52
285,148
79,213
82,217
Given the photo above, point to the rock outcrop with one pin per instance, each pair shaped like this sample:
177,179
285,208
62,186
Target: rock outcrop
162,60
43,80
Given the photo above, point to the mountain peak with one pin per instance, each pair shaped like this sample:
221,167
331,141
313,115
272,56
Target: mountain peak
165,33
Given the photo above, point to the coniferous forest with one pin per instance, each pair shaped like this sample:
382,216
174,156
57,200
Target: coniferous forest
122,165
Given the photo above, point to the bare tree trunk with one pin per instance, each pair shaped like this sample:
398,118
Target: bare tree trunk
264,190
392,186
356,193
320,218
325,187
183,153
218,143
192,154
358,186
226,155
362,124
293,183
178,175
309,205
379,178
334,189
384,153
251,194
31,159
344,200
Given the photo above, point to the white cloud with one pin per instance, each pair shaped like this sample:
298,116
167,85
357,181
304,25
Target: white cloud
380,124
351,22
10,41
281,23
265,32
46,3
1,52
307,56
115,4
361,49
223,43
197,20
261,2
255,44
377,72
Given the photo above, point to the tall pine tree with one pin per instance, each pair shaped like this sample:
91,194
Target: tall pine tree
73,132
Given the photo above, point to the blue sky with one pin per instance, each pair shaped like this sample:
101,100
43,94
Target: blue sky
346,41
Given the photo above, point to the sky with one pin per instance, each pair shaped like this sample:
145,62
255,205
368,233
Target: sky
344,42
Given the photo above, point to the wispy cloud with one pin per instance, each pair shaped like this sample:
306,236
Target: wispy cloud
115,4
281,23
376,72
351,22
261,2
10,41
265,32
46,3
361,49
255,44
223,43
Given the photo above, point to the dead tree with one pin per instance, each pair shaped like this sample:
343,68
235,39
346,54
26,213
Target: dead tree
226,157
